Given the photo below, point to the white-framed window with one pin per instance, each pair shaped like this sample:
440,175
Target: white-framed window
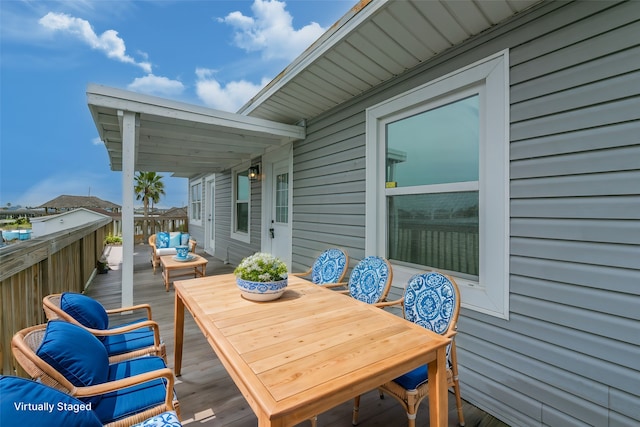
195,202
241,206
438,182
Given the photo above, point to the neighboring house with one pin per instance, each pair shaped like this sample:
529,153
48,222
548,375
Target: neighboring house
49,224
66,203
500,146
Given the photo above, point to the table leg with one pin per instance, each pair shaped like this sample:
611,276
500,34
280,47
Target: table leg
178,335
165,275
438,411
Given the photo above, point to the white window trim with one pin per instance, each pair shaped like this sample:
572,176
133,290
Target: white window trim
190,208
243,237
490,295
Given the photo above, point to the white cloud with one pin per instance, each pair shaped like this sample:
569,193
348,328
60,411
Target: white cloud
271,31
96,141
108,42
157,85
227,98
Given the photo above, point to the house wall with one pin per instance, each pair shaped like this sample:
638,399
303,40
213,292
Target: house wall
569,353
226,248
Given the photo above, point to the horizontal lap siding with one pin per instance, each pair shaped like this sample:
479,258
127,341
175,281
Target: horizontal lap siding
569,353
328,190
573,335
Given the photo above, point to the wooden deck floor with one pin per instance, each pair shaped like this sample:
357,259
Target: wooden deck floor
207,395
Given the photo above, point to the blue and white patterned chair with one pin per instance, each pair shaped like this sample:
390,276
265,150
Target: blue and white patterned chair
23,404
330,267
370,280
69,358
431,300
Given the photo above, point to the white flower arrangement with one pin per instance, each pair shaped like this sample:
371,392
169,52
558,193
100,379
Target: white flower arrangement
261,267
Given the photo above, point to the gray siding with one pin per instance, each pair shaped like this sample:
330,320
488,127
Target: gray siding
229,249
569,355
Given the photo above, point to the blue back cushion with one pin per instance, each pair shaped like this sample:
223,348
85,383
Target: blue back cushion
85,310
369,279
184,239
75,353
23,400
174,239
162,240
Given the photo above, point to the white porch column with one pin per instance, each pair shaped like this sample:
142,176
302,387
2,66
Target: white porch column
129,140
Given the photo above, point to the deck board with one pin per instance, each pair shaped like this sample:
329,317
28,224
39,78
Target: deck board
208,396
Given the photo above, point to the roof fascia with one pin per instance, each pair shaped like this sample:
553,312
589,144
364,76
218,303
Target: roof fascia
118,99
358,14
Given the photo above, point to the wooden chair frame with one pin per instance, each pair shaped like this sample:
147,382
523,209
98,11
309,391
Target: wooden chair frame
52,310
24,346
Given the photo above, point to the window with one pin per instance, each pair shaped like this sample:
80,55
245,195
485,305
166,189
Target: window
241,198
196,202
282,198
437,182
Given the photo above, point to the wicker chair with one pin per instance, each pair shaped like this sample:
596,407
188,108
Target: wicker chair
15,390
330,267
135,339
115,399
431,300
155,254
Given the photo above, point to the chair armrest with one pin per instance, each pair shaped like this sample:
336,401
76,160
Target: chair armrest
335,285
383,304
306,273
111,386
131,327
146,307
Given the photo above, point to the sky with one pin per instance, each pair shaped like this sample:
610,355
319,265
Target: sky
211,53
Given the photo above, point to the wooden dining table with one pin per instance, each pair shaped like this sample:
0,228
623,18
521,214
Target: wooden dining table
308,351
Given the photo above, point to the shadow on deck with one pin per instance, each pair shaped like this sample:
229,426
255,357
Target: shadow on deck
207,394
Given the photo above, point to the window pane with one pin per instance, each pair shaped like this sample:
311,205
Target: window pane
242,217
282,198
435,147
242,185
435,230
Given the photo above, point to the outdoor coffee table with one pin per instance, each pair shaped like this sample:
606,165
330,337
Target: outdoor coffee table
170,264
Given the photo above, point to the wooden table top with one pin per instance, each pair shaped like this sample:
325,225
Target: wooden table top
308,351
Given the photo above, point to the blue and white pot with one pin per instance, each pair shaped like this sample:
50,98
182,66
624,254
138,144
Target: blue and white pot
261,291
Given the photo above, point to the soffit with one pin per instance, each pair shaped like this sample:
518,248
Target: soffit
376,41
180,138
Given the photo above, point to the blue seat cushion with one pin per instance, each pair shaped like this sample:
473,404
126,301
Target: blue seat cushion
162,240
413,379
85,310
129,341
23,404
125,402
128,368
76,354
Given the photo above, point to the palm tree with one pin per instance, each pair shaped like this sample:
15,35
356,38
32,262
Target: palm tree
148,187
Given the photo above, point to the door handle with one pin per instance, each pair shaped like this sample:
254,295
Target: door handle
271,231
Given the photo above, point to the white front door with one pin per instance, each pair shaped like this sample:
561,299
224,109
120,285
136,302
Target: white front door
277,204
210,226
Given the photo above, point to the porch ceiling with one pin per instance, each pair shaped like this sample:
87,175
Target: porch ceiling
374,42
180,138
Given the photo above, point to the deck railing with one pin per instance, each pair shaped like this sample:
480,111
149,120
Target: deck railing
32,269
